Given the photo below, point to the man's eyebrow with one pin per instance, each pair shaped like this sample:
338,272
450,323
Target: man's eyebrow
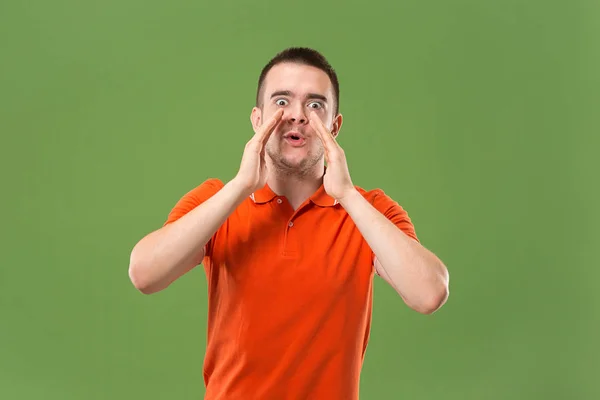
317,96
289,93
281,93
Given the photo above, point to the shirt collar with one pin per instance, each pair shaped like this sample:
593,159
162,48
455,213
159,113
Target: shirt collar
263,195
320,197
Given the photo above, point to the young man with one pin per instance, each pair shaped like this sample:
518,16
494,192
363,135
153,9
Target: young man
290,248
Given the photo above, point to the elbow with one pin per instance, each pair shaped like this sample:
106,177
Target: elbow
436,296
433,301
138,275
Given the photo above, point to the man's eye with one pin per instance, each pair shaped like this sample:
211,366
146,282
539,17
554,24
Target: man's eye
315,105
281,102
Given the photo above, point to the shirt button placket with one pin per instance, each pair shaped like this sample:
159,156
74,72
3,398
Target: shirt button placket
290,245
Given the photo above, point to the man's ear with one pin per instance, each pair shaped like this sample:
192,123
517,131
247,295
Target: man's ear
256,118
337,125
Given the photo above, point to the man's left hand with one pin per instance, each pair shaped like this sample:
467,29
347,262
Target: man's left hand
337,181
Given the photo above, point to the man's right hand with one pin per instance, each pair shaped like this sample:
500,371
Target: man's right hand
167,253
252,174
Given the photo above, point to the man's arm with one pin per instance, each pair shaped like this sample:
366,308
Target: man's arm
418,276
171,251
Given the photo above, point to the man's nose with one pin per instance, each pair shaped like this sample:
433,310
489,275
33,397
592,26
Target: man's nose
297,116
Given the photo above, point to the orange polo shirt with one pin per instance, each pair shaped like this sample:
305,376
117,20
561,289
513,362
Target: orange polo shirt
289,296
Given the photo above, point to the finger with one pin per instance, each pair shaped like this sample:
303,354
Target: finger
325,136
317,125
321,129
267,128
326,146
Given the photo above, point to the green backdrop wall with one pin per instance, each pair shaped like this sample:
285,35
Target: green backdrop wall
480,117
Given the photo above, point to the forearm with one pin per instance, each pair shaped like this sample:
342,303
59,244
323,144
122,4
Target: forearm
415,272
167,253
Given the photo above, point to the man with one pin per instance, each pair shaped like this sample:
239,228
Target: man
290,247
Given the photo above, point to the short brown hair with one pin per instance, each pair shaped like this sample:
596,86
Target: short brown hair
305,56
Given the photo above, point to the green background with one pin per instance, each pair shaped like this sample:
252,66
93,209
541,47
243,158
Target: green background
480,117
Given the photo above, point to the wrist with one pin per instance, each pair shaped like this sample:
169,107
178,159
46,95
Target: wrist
239,189
349,198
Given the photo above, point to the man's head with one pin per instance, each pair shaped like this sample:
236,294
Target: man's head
297,80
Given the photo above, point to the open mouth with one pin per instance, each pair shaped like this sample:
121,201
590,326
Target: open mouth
295,139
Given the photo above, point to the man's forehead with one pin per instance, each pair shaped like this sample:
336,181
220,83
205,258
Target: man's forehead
298,79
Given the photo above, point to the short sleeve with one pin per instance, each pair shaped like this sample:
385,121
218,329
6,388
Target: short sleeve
395,213
193,199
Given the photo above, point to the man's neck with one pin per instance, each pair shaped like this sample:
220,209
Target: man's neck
296,188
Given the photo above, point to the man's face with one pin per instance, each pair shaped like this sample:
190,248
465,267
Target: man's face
297,89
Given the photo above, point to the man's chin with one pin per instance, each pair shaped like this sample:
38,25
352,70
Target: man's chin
293,162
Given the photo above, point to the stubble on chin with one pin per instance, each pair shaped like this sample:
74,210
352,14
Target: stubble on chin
284,168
